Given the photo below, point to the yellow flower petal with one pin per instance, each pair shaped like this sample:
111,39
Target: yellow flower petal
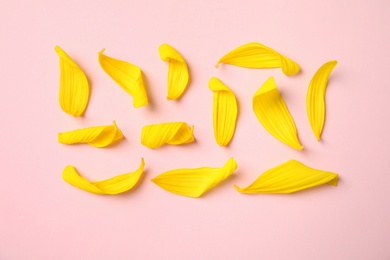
178,75
194,182
290,177
315,99
115,185
258,56
272,112
174,133
98,136
126,75
224,111
74,88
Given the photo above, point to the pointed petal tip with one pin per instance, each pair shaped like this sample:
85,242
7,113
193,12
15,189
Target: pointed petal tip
231,163
237,188
101,52
335,181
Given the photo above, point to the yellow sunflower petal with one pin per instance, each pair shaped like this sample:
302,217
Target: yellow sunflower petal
272,112
74,87
224,111
290,177
174,133
258,56
178,75
115,185
194,182
315,99
98,136
126,75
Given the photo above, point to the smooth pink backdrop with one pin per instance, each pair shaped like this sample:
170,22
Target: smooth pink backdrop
42,217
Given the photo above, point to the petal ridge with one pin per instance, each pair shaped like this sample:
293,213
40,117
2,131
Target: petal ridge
128,76
178,74
115,185
289,177
97,136
224,111
273,114
74,86
194,182
258,56
315,98
174,133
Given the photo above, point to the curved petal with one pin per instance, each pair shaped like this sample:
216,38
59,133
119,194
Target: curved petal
178,75
115,185
126,75
315,99
98,136
290,177
194,182
258,56
224,112
273,114
74,87
174,133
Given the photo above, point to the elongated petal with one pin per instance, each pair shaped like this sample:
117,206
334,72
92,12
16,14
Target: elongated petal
74,87
178,75
174,133
98,136
224,112
115,185
315,99
259,56
290,177
273,114
194,182
126,75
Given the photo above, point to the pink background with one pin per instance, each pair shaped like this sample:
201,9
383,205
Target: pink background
42,217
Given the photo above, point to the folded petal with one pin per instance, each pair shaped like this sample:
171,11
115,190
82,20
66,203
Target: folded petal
115,185
290,177
174,133
224,112
315,99
74,87
259,56
194,182
178,75
126,75
98,136
273,114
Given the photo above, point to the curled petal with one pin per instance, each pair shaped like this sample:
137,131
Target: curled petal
194,182
115,185
315,99
273,114
174,133
224,112
98,136
178,75
74,87
126,75
257,56
290,177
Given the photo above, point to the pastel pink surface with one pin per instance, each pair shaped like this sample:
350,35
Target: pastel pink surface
42,217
